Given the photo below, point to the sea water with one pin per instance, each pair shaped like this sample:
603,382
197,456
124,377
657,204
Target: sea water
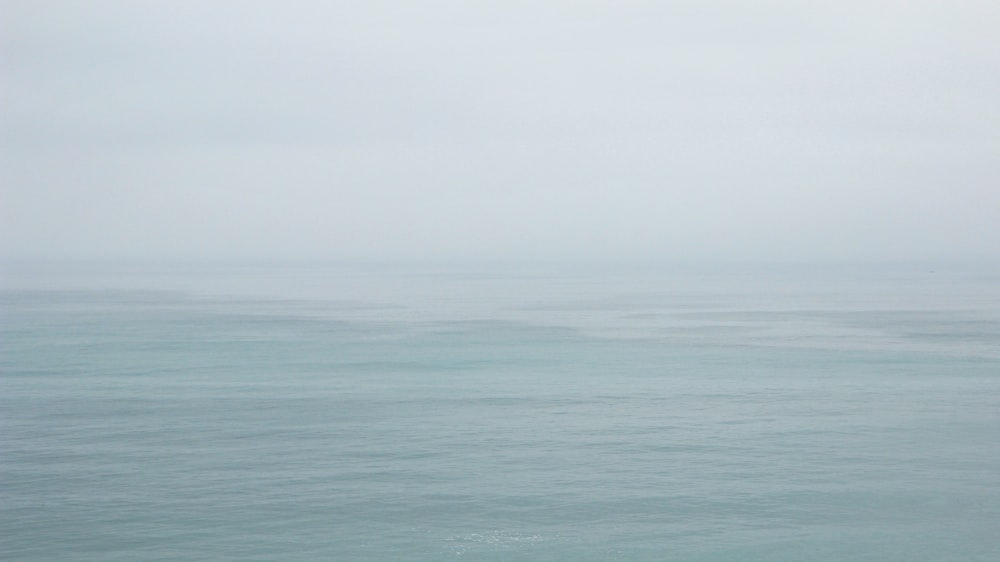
473,412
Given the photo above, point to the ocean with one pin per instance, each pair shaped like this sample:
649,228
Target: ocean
499,412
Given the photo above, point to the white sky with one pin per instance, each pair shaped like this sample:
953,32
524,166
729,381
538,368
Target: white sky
501,129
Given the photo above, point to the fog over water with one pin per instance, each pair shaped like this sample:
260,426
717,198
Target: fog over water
714,130
499,280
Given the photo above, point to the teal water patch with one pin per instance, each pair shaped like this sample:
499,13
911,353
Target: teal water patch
164,425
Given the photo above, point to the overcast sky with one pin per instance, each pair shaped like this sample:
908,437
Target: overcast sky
545,129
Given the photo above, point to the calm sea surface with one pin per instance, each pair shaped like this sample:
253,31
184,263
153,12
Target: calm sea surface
499,413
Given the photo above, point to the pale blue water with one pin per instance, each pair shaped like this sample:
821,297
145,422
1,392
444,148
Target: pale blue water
499,413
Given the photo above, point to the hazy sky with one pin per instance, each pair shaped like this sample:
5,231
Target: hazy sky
511,129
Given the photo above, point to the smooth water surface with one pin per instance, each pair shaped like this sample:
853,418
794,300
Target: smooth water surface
499,413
